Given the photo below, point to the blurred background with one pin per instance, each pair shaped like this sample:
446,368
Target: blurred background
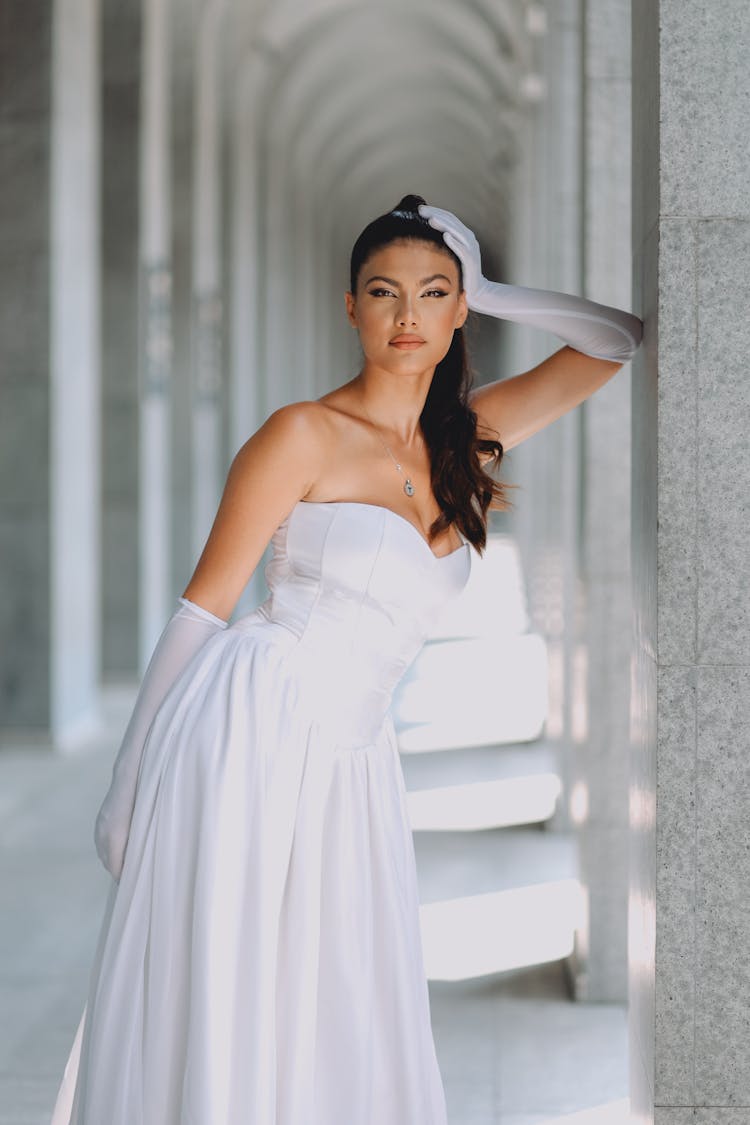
182,181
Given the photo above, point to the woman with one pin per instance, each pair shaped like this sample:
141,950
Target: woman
260,957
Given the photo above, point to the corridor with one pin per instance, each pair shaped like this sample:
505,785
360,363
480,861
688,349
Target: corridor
182,184
209,166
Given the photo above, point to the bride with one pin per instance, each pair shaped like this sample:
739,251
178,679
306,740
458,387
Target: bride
259,959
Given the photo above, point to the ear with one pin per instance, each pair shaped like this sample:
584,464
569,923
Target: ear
351,308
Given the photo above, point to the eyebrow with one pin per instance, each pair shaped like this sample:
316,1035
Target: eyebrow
424,281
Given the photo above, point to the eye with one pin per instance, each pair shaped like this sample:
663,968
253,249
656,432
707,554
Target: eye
437,292
377,292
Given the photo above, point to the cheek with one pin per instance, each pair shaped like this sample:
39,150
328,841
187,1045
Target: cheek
374,321
446,319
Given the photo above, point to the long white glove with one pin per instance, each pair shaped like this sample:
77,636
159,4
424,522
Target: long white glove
186,631
594,329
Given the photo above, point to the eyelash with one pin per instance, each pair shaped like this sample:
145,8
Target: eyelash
375,292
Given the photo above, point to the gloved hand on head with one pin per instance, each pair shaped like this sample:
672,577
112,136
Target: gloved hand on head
596,330
184,634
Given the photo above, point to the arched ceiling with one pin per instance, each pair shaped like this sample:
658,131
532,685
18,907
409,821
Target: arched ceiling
439,74
435,82
357,103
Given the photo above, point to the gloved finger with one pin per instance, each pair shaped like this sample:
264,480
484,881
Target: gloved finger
462,239
445,220
455,244
439,213
468,255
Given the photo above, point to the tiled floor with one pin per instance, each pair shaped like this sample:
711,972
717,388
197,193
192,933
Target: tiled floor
513,1049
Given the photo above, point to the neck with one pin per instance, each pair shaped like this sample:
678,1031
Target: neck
394,402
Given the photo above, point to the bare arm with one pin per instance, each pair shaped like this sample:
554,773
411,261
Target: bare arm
518,407
268,475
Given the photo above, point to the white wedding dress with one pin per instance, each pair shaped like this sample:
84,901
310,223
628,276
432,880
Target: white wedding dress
260,959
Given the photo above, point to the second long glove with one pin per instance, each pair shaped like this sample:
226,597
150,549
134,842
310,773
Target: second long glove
186,631
594,329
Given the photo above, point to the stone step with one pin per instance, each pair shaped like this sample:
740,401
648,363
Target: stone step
481,787
473,692
496,900
493,601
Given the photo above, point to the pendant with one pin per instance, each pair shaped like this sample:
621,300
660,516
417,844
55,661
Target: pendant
408,487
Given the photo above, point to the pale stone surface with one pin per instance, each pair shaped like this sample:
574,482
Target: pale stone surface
645,48
705,123
604,865
642,896
712,1115
693,460
604,565
678,442
604,750
680,46
181,561
608,27
723,454
75,370
675,886
722,967
675,1115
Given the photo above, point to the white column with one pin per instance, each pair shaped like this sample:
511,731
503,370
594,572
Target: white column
206,312
605,558
74,373
246,275
246,395
155,326
277,379
545,247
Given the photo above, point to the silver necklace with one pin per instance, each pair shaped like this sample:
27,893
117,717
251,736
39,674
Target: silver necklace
408,486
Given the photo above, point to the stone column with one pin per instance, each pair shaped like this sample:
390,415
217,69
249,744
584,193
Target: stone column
49,424
121,76
544,252
246,277
207,461
602,737
246,298
155,326
182,191
689,924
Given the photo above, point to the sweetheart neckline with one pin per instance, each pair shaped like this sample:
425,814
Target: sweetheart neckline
390,511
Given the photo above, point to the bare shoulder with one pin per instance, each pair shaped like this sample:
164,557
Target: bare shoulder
297,430
297,420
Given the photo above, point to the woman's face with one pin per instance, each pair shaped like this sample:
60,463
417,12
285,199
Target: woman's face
407,288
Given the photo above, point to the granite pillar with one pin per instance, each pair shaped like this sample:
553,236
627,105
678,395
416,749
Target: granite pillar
689,924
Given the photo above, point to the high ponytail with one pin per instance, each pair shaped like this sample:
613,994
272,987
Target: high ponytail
462,488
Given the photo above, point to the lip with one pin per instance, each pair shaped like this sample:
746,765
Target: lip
407,342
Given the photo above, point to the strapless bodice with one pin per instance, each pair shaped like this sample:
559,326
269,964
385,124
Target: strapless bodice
354,589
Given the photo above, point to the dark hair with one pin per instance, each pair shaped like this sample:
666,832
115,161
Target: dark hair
462,488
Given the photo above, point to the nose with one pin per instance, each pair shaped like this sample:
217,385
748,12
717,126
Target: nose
406,314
